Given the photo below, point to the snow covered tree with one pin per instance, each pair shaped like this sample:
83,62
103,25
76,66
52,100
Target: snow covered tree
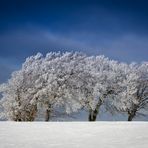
74,81
59,79
19,91
102,76
16,104
50,82
138,90
133,95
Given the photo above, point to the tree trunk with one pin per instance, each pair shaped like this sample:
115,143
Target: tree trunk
33,113
18,117
48,112
93,113
130,118
131,115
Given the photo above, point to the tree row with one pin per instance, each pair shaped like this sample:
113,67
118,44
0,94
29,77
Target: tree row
74,81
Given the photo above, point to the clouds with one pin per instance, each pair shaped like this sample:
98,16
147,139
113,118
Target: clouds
125,48
95,15
19,44
25,42
16,45
5,71
117,29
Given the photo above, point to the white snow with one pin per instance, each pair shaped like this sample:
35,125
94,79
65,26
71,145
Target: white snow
74,135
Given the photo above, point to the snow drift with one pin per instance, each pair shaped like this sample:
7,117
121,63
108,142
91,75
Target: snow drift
73,135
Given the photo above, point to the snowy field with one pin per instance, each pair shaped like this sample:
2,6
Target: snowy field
74,135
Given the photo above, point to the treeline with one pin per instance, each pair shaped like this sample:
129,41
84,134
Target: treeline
74,82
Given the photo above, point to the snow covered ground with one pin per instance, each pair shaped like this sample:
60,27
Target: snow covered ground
74,135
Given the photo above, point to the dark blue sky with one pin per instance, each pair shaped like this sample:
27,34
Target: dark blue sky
115,28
